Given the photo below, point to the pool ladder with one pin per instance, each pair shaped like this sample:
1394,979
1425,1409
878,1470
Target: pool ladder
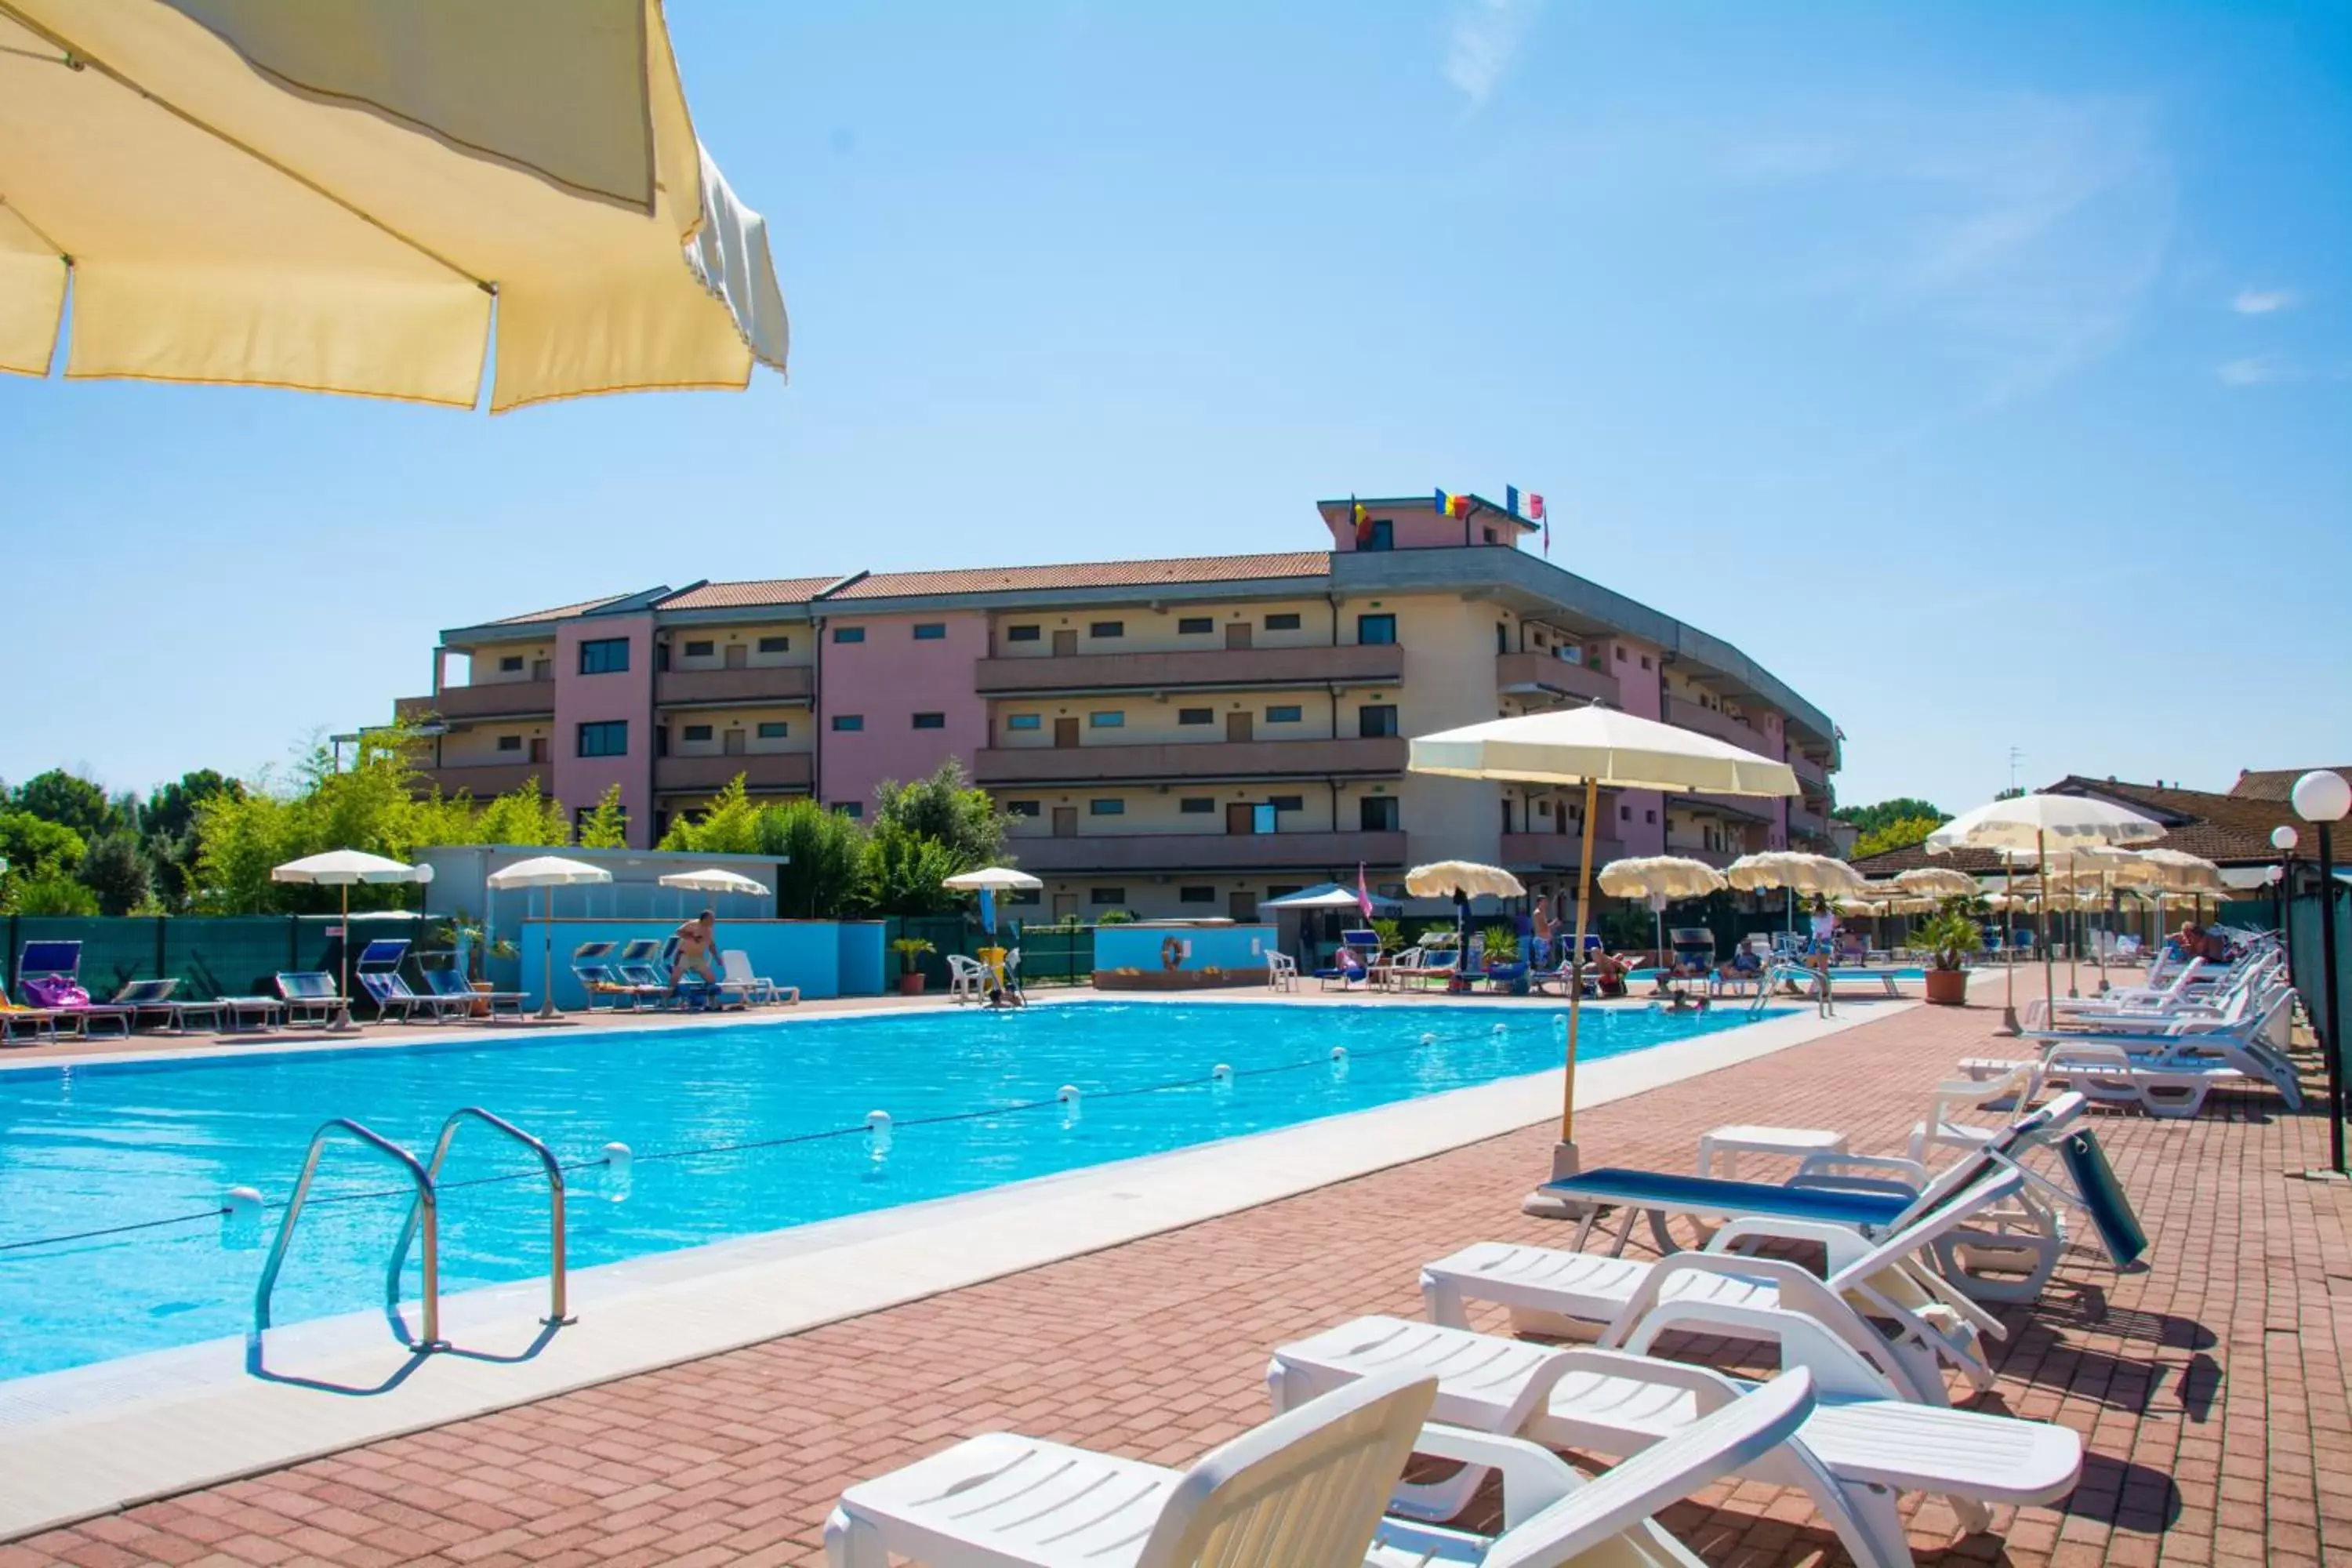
423,1215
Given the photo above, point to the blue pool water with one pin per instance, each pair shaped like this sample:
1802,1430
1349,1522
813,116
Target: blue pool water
727,1125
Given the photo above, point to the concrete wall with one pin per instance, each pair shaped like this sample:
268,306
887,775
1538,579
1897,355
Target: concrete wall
1147,630
1143,947
824,958
886,679
586,698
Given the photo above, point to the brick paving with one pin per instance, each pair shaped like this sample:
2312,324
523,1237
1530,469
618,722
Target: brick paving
2210,1389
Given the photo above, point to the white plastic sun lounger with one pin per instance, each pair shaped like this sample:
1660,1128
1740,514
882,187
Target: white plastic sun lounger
1307,1488
735,975
1873,1443
1880,1299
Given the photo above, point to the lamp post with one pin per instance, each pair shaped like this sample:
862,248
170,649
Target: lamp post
2284,839
2321,799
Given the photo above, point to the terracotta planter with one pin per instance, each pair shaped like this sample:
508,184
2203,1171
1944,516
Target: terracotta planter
911,984
1947,987
482,989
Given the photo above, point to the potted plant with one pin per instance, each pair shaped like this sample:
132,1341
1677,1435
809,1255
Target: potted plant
1503,965
909,949
469,940
1948,937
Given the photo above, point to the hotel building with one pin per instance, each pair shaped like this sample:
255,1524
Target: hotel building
1171,737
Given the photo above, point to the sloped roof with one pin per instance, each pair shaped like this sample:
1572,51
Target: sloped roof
1088,575
2275,783
748,594
2228,829
561,612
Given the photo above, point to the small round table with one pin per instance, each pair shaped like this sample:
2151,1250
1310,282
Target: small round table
1731,1141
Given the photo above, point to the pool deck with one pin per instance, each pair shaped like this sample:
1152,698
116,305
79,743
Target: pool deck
2210,1389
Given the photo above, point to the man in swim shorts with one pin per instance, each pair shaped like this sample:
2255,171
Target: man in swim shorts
697,939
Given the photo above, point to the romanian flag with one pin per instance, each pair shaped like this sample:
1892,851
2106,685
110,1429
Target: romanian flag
1363,519
1453,505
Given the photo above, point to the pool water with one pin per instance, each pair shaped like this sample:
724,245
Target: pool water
735,1131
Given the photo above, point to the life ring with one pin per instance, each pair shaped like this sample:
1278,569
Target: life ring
1174,950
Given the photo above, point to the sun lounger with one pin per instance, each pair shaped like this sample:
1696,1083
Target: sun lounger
735,976
311,997
50,962
2247,1047
1877,982
453,987
143,999
1870,1443
23,1024
2173,1088
259,1014
1881,1300
1307,1488
377,970
592,963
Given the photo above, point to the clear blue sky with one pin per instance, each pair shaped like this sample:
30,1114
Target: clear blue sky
1985,371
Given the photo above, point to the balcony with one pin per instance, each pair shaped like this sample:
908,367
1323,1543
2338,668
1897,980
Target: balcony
1719,858
1812,823
1739,807
1530,672
1152,762
1688,715
1810,771
761,771
1307,852
1556,852
1355,664
491,699
719,688
483,779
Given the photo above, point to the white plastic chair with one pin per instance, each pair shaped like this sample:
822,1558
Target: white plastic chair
1281,972
967,977
1305,1491
735,975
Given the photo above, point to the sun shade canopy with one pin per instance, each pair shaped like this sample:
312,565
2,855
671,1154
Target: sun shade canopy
1599,744
1659,876
1467,877
1794,871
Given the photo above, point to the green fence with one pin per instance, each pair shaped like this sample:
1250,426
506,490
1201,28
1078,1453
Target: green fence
1050,956
210,955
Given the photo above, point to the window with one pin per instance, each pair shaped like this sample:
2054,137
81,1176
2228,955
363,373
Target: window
1490,536
1621,656
1649,816
1025,722
1287,802
510,743
1282,889
511,665
1376,719
1107,629
1284,713
930,721
1023,808
852,809
1382,536
849,722
930,631
1645,661
1196,715
1021,634
1262,819
1106,809
1105,895
698,732
1501,637
1195,626
700,649
775,645
1288,623
1195,805
775,730
1380,630
1111,720
1196,895
849,633
605,738
1376,814
604,656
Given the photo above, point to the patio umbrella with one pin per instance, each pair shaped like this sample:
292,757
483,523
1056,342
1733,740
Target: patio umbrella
341,868
335,197
1938,882
1796,872
1592,747
1661,879
1462,881
2177,874
712,880
2031,822
996,879
547,872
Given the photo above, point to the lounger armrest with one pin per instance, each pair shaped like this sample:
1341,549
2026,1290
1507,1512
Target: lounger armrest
1534,1478
1910,1173
1838,1365
1710,1389
1841,1243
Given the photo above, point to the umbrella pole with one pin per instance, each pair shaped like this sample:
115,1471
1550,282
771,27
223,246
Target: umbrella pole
2008,1025
2106,935
2041,914
343,1014
547,953
1563,1158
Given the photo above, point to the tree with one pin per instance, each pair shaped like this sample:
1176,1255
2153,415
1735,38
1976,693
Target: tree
730,824
521,816
37,851
823,854
54,896
167,832
606,826
116,874
946,808
69,801
904,873
1899,834
1868,819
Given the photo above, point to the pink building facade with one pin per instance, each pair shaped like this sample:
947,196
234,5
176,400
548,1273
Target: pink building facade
896,691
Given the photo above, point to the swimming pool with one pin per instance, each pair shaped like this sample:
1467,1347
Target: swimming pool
112,1173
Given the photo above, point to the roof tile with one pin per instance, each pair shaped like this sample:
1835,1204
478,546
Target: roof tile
2274,783
748,595
2224,829
1088,574
560,613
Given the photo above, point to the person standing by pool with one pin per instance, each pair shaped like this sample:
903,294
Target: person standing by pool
696,940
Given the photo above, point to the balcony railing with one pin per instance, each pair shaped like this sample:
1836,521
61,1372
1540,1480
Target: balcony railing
1354,663
1719,858
1542,672
1315,852
760,770
1189,760
1809,770
1741,807
1556,852
483,779
1688,715
491,699
712,687
1809,822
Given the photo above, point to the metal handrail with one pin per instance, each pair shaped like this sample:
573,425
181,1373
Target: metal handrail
556,1317
426,1206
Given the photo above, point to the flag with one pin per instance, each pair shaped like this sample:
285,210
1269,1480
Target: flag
988,910
1363,891
1452,505
1363,520
1511,500
1445,504
1536,512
